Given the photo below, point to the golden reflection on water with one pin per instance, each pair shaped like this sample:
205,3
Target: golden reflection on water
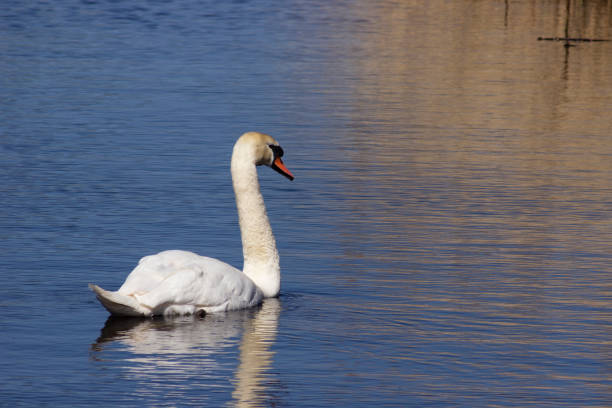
490,127
476,201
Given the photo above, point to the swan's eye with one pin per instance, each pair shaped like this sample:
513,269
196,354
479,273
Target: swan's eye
277,150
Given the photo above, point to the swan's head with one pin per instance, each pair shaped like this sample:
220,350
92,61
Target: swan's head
265,149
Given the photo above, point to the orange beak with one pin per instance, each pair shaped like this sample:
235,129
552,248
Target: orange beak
279,166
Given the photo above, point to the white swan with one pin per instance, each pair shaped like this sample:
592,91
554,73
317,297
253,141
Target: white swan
181,282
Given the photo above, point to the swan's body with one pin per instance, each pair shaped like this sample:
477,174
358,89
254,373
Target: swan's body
181,282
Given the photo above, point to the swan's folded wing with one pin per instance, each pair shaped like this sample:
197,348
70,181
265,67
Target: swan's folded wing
154,269
211,290
183,282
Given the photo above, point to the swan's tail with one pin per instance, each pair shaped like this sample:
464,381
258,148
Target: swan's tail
118,304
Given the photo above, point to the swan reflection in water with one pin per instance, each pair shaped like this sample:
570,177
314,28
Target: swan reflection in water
173,355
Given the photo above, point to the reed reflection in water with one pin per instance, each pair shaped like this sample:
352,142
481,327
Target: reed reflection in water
170,359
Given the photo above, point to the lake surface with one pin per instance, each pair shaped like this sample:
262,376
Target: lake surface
447,240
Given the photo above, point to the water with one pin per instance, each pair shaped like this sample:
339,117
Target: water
447,240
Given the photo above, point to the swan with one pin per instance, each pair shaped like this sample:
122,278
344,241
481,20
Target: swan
179,282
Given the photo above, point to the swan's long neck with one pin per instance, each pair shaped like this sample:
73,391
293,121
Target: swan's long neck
261,263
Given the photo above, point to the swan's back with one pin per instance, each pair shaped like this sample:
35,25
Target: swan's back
154,269
181,282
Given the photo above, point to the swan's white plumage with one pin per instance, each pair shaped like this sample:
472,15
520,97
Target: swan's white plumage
189,282
182,282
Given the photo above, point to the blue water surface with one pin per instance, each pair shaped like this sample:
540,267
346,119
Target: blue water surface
447,240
